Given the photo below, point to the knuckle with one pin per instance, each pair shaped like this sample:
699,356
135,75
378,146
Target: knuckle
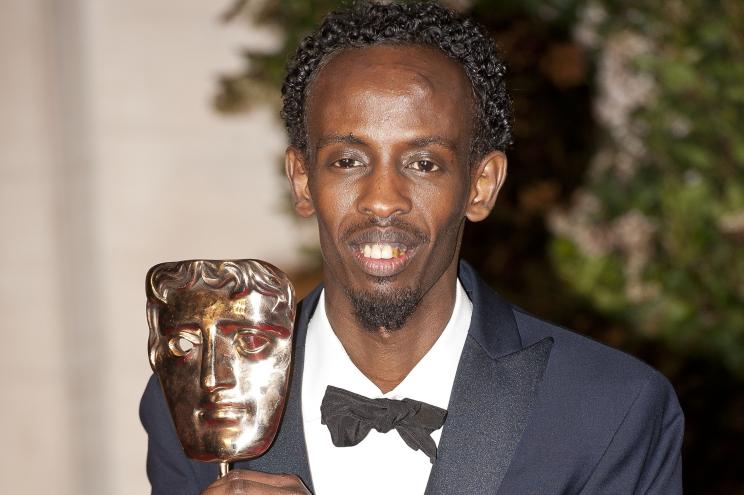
292,484
239,484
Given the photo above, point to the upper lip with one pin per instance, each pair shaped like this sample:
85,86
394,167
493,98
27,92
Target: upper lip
384,236
212,406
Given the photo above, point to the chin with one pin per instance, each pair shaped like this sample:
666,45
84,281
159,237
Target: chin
387,309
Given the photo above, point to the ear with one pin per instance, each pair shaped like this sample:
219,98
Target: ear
153,339
488,177
296,169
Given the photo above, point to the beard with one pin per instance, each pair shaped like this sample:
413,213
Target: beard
384,309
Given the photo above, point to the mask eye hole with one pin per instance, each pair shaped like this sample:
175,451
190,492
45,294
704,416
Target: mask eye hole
182,343
250,342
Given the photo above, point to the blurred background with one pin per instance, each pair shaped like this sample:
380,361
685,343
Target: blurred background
138,132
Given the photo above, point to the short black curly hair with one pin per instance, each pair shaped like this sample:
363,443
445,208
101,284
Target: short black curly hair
425,23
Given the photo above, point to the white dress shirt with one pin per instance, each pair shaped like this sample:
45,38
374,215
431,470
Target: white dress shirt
382,462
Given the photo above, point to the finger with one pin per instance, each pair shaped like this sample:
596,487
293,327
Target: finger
234,486
271,479
279,480
237,486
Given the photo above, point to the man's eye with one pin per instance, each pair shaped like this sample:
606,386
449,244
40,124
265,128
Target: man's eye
251,343
347,163
424,166
183,343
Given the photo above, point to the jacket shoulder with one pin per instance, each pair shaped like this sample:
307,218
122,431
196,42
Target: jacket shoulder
168,468
585,359
603,420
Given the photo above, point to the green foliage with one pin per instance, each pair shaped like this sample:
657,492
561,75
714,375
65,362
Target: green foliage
686,182
646,254
263,73
654,239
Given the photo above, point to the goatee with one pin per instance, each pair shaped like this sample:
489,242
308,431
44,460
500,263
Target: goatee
385,309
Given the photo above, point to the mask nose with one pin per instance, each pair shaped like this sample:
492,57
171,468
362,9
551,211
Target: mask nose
217,362
384,193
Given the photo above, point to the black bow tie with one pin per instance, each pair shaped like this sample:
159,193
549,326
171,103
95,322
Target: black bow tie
351,416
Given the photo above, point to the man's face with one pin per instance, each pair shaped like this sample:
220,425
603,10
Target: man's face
223,363
389,131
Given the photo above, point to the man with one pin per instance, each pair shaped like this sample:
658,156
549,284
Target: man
398,120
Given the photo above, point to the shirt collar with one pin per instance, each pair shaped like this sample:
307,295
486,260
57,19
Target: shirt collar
430,381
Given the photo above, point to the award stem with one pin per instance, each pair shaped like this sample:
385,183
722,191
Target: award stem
224,468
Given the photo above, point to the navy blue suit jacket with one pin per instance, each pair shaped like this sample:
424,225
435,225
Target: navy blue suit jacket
535,409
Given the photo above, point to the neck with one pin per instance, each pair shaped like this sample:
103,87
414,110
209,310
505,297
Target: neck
387,356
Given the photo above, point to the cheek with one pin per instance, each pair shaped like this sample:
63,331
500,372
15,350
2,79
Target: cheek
443,208
182,391
170,365
179,375
333,196
283,355
267,375
333,210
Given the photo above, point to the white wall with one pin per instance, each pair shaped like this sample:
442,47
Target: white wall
111,160
34,417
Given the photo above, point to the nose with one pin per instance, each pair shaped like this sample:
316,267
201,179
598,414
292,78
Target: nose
384,192
217,367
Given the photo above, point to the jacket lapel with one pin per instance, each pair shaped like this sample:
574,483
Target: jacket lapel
288,453
491,399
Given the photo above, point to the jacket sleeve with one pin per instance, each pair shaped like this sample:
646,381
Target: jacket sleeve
644,456
169,470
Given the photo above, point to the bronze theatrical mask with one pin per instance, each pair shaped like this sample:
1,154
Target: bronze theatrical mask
220,342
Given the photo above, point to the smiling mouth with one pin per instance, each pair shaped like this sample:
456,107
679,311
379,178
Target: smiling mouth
382,259
382,251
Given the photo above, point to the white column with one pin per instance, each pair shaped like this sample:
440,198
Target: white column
111,160
41,448
173,179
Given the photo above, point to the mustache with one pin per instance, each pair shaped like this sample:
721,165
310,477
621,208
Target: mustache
384,230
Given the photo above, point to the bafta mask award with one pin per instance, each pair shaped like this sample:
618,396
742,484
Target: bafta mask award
220,342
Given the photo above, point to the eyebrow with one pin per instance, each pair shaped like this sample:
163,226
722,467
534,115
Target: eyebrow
420,142
194,327
338,138
232,326
425,141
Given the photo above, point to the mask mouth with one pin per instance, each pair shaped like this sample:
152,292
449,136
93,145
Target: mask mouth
224,411
217,405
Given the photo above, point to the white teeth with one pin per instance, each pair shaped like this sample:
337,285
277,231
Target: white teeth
376,252
382,251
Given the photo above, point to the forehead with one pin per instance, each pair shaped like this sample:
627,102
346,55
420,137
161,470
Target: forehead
412,84
196,306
